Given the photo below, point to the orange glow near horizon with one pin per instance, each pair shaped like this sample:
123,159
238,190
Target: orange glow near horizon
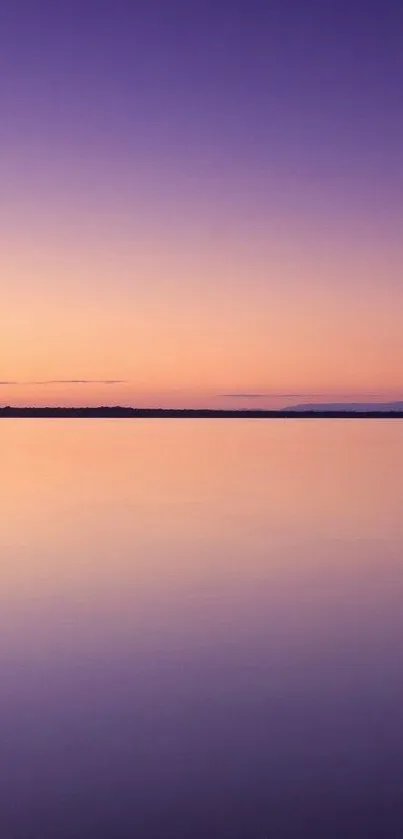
175,326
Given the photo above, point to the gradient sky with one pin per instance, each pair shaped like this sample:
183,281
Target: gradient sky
200,201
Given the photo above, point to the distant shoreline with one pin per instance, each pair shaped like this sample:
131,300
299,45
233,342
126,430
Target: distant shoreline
186,413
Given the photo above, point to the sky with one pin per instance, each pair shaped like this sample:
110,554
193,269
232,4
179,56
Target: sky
201,202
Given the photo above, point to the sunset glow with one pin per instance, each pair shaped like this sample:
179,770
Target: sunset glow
176,232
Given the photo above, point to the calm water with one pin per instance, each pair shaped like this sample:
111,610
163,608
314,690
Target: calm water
201,629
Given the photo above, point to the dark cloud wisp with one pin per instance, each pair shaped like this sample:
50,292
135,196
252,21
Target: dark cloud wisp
269,395
67,382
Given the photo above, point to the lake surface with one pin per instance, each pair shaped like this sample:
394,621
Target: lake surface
201,629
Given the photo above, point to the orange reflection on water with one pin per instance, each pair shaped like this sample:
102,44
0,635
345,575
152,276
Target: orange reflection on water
133,519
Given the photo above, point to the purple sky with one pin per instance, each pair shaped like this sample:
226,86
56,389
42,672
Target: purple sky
227,157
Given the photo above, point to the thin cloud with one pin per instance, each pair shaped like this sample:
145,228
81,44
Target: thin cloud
78,382
68,382
269,395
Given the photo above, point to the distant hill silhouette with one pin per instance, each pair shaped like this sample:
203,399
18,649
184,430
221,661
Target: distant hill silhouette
348,406
119,412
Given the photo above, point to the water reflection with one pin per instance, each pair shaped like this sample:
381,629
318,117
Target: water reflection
200,629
